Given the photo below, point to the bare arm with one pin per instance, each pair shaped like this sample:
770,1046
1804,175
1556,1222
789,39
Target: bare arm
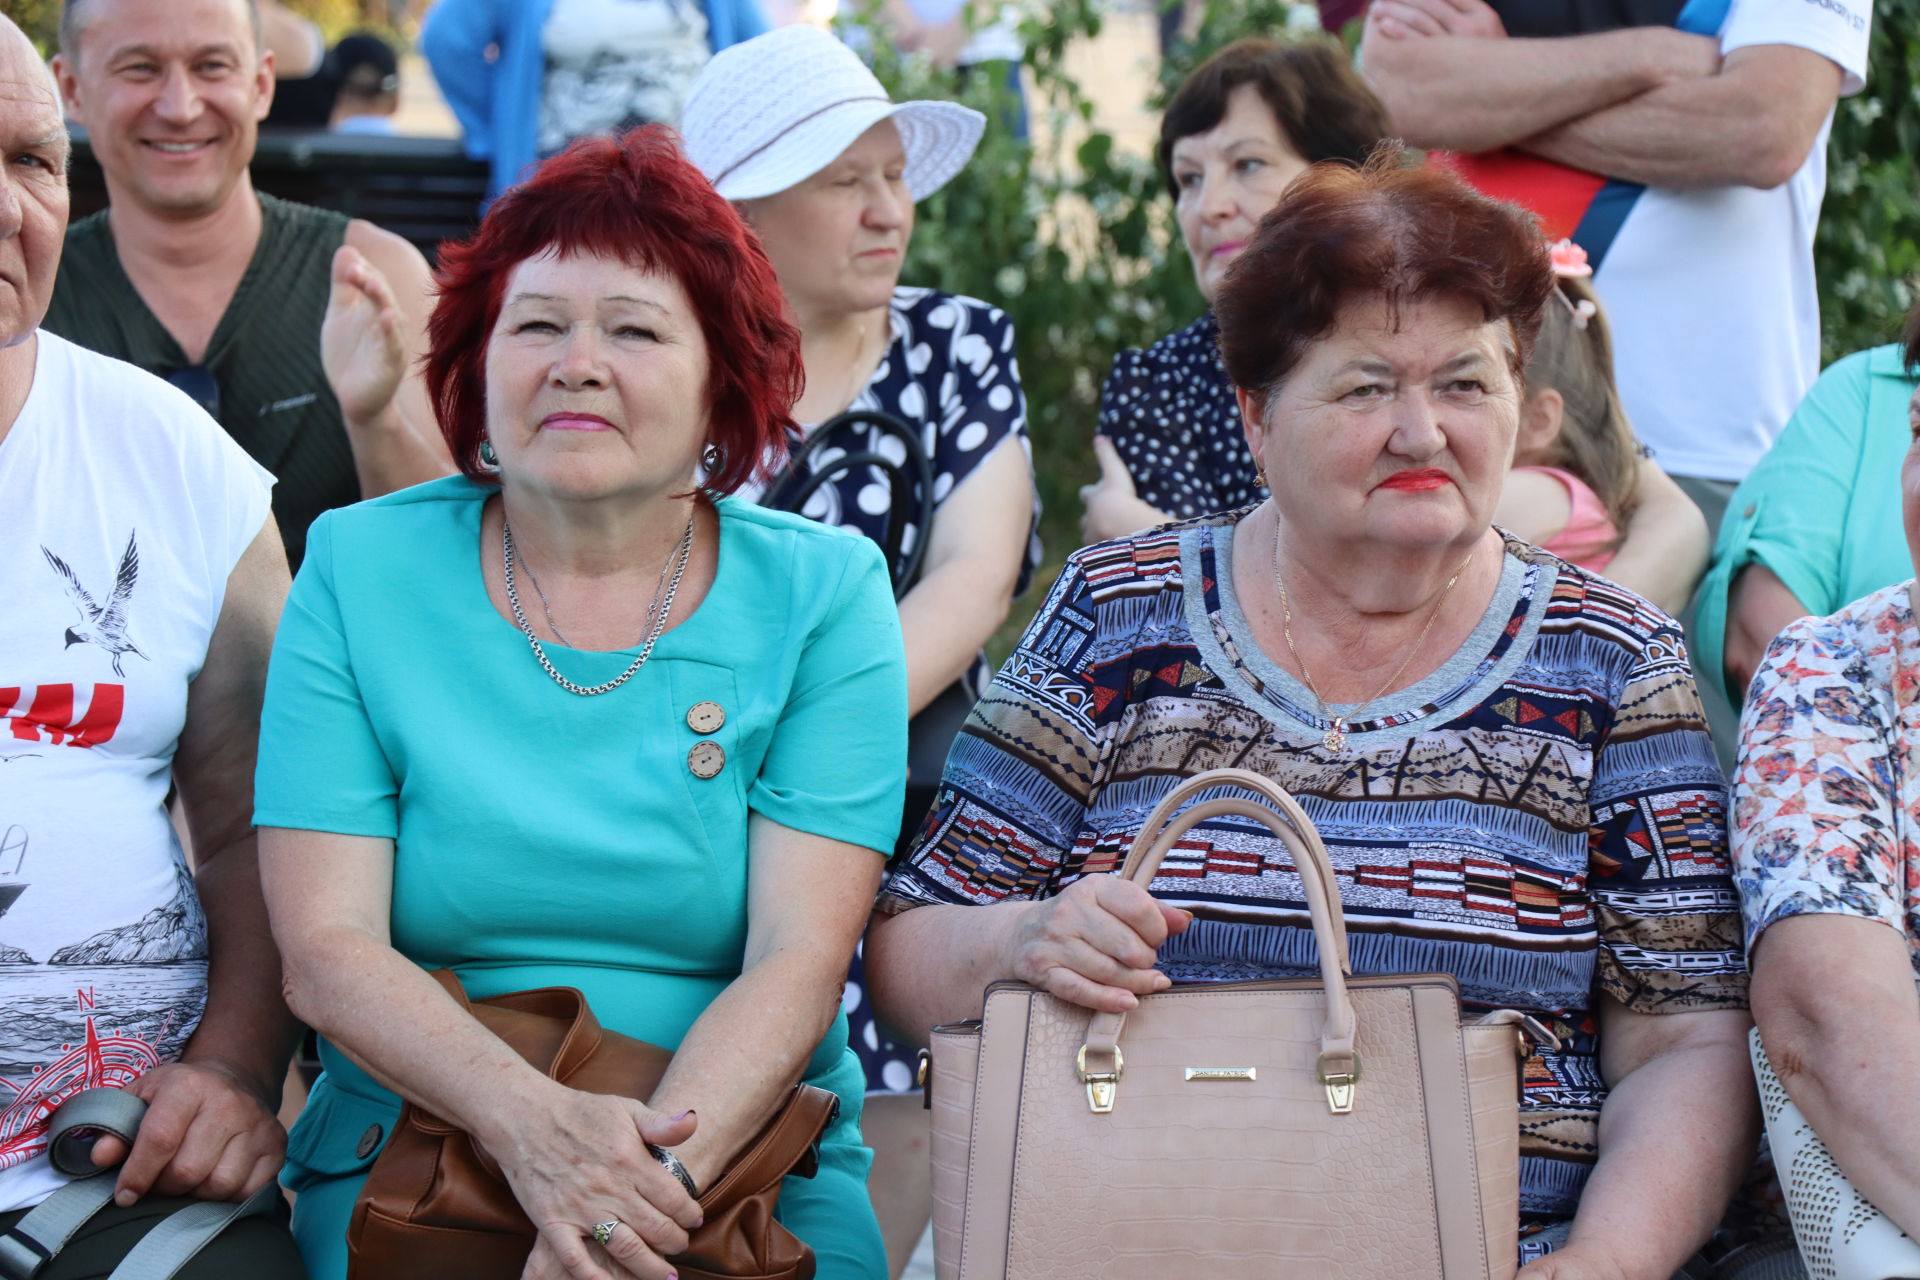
1093,944
210,1131
372,343
1750,125
1760,607
571,1158
1665,551
1677,1133
1113,507
972,565
1835,999
807,898
1533,505
1477,92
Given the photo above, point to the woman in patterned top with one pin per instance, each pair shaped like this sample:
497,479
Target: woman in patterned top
1827,851
1244,125
795,129
1504,752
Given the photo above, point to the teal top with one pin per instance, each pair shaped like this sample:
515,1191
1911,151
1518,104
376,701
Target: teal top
1822,508
543,838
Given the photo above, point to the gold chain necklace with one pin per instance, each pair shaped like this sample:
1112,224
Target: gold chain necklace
1335,738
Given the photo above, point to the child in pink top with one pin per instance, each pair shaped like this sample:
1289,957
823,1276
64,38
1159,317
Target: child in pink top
1571,488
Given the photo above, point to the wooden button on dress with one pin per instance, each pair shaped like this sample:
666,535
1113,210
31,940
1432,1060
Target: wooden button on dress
706,759
706,717
369,1141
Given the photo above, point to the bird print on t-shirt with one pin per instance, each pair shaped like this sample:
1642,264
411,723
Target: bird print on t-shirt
102,625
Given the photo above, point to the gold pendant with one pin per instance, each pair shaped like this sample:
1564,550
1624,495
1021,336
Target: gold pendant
1336,736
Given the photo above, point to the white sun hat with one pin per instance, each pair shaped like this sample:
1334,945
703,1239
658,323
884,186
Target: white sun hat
773,111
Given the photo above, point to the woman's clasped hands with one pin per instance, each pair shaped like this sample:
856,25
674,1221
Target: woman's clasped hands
577,1160
1095,943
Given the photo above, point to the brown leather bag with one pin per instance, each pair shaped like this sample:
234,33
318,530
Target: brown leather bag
436,1207
1334,1129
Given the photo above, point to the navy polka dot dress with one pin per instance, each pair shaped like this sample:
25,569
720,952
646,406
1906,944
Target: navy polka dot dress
1170,413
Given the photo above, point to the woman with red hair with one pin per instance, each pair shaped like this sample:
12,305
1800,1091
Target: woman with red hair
1503,751
577,717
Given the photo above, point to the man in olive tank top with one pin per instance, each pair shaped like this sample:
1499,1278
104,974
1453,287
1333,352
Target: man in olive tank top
293,326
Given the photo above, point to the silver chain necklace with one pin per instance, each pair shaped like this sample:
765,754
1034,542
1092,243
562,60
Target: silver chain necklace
678,560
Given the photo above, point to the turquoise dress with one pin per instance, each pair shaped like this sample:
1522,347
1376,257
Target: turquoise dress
542,838
1822,508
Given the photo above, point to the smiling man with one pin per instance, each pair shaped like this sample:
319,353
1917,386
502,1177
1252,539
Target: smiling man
291,325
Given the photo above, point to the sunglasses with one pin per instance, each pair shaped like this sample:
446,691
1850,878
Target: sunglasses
198,382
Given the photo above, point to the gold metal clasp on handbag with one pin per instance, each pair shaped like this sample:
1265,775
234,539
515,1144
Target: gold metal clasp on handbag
1339,1084
1102,1086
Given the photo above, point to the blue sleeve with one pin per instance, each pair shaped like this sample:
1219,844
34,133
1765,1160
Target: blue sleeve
1790,513
729,22
321,767
454,39
837,765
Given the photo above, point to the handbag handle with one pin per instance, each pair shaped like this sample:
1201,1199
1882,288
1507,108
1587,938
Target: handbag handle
1100,1063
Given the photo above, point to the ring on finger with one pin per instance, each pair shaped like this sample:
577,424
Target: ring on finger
603,1231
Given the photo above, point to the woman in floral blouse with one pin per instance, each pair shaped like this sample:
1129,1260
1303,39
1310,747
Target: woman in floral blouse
1827,844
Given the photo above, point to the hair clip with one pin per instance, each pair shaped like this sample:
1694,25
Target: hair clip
1569,260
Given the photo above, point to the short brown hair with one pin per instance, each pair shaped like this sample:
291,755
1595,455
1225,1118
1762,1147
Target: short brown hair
1324,109
1386,230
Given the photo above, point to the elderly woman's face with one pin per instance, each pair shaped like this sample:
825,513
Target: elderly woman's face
1228,178
1395,433
838,238
596,379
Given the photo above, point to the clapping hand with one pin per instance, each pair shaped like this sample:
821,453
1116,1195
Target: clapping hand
362,339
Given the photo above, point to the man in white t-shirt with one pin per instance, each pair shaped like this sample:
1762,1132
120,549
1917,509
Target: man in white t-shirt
1682,143
143,578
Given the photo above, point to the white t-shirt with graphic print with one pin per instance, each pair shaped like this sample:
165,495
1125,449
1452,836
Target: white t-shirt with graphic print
123,508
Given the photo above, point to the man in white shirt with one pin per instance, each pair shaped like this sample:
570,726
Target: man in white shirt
1683,146
144,578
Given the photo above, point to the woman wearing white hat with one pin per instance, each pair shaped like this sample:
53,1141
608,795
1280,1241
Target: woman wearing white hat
795,129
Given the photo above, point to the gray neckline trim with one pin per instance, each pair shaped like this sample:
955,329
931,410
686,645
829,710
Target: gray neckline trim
1289,705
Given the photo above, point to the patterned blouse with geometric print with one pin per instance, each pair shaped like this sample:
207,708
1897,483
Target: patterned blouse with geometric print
1827,791
1542,817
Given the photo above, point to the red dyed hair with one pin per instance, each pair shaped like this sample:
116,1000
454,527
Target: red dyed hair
1385,230
638,199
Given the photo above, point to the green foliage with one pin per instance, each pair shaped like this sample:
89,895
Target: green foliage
40,19
1867,253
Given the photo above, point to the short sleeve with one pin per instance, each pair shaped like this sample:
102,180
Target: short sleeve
1837,29
1789,515
984,403
321,766
837,764
1816,790
1664,901
1016,785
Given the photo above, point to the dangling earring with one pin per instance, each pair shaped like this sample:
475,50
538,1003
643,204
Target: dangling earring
488,456
712,459
1260,474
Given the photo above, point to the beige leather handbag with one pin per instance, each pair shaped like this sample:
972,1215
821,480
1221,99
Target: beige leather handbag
1348,1128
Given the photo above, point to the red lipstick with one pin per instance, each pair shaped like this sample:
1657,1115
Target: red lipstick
1416,481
